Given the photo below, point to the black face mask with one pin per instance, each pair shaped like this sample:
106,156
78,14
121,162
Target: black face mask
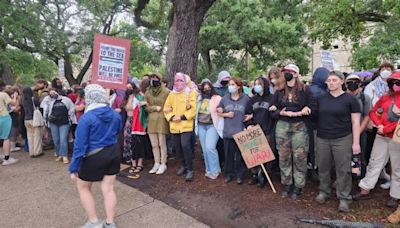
206,93
224,83
352,86
155,83
288,76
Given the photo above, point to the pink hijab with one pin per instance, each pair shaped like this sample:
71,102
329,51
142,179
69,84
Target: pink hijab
179,86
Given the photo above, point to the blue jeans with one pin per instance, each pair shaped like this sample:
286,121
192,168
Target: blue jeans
60,138
208,139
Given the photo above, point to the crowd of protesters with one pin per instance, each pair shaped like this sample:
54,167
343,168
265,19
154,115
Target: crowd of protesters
338,124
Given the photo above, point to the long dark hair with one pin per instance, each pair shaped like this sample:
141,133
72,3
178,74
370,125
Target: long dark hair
295,91
213,92
129,92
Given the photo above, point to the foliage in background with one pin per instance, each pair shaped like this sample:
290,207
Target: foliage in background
248,36
353,20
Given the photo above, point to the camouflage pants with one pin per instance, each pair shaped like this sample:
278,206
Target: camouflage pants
292,144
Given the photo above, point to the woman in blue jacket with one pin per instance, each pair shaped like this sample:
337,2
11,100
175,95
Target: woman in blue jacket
96,155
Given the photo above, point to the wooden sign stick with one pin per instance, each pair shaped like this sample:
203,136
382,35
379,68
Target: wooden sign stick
269,179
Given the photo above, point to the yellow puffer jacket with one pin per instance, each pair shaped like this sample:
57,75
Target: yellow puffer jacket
176,105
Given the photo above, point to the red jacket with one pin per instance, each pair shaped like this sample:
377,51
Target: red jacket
381,119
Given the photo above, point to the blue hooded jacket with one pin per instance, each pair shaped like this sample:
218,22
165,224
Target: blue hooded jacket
97,128
318,85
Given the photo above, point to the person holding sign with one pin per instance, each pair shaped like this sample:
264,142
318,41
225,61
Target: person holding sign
180,110
209,126
385,117
257,112
232,108
293,105
338,138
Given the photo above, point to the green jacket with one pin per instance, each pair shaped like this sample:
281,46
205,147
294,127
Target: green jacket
156,120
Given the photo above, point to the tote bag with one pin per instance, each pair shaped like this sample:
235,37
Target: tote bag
37,120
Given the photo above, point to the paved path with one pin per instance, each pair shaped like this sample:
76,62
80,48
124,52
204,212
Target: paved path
38,193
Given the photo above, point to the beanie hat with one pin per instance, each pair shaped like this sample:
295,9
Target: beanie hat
292,68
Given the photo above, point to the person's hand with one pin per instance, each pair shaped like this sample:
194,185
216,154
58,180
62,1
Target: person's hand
356,148
168,110
176,118
247,117
158,108
287,113
273,108
143,103
74,177
229,114
306,111
220,110
380,129
118,110
249,127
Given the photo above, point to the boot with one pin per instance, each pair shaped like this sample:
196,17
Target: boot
296,193
261,180
392,202
253,180
181,171
285,191
394,218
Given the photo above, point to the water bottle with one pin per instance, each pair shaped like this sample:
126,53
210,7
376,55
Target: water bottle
356,165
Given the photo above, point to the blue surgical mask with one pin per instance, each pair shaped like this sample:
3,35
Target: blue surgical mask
258,89
232,89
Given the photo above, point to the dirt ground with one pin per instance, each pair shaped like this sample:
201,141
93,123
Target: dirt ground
231,205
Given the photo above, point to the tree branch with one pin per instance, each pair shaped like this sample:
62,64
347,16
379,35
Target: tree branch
141,5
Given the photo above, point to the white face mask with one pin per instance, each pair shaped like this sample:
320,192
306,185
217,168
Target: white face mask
385,74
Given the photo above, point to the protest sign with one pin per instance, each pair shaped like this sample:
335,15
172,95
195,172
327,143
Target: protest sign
255,149
396,134
110,61
327,60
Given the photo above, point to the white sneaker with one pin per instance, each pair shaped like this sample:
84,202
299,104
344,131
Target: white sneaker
15,149
385,185
155,168
10,161
1,157
162,169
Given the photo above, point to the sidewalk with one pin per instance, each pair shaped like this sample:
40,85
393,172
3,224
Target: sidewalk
38,193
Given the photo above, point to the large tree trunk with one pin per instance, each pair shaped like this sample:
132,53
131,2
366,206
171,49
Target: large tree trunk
6,74
68,71
182,53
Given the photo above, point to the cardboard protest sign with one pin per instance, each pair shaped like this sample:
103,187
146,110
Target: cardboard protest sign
254,147
110,61
396,134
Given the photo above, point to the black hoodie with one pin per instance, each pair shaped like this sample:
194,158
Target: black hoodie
258,106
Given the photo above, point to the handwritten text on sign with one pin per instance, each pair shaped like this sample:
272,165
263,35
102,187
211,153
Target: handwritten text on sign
254,147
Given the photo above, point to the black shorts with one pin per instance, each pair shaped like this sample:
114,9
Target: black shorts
105,162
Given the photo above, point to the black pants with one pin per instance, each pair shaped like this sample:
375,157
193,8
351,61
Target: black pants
182,145
234,164
371,134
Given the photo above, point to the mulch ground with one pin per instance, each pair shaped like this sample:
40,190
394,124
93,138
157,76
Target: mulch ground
231,205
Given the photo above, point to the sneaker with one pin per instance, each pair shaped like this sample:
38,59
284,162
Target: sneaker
321,198
212,176
162,169
97,224
155,168
189,176
385,185
111,225
10,161
58,159
343,206
65,160
181,171
1,157
15,149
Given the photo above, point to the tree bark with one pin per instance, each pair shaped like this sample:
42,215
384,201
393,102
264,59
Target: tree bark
207,61
6,74
182,53
69,74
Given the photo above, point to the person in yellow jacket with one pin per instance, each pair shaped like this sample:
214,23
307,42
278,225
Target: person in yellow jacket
180,110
